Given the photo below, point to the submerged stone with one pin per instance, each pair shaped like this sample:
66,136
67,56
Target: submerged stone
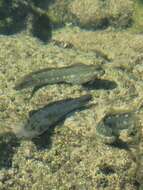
100,14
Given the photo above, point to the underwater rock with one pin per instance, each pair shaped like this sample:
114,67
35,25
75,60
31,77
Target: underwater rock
18,15
12,17
137,26
59,13
91,14
100,14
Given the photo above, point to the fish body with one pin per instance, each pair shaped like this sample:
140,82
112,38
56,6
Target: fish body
110,128
75,74
40,120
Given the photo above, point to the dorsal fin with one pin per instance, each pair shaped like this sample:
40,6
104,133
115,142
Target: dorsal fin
39,71
79,64
51,68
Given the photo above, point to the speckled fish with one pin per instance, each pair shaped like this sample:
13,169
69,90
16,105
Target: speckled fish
111,126
40,120
75,74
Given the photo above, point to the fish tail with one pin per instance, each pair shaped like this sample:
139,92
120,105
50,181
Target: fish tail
25,82
17,86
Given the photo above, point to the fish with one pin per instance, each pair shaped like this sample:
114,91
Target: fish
111,126
75,74
42,119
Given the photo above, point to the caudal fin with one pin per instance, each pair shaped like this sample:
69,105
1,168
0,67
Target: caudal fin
25,82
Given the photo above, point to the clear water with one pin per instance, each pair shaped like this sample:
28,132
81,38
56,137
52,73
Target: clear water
72,154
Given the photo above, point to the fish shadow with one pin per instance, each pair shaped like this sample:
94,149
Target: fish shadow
8,147
44,141
120,145
98,84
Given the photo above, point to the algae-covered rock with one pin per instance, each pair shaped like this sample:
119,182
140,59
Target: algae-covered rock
91,13
139,173
137,26
99,14
10,17
58,12
17,15
39,16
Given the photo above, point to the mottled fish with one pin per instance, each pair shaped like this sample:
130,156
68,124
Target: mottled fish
75,74
110,128
40,120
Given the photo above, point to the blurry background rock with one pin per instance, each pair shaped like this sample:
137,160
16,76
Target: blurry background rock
92,14
138,17
17,15
40,17
100,14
